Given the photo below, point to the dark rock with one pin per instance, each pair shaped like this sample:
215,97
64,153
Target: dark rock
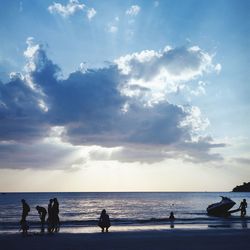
242,188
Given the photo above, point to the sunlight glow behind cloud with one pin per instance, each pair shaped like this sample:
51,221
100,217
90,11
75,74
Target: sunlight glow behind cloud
120,107
101,95
154,75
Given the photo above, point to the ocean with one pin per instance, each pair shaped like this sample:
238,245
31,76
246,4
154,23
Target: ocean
79,212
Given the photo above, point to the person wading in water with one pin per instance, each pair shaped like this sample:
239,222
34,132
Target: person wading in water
42,214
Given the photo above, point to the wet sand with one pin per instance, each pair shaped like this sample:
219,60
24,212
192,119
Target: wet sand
228,239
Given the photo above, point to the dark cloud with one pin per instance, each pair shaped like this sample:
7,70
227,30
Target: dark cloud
199,151
195,152
89,105
45,73
90,97
158,125
21,118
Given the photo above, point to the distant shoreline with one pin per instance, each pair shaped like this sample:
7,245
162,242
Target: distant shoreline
245,187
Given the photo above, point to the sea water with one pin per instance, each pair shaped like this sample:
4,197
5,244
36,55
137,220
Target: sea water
79,212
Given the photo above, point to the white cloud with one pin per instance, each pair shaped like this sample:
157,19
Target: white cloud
71,8
194,120
66,10
31,48
133,10
30,54
218,68
124,62
91,13
16,75
42,105
83,67
167,71
33,61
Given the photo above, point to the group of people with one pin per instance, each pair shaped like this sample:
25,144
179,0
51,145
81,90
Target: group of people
53,220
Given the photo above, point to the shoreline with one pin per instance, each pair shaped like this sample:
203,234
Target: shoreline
144,240
180,224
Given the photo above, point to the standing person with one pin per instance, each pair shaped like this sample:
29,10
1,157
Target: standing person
26,209
55,214
171,216
104,221
23,223
243,206
171,219
51,226
42,214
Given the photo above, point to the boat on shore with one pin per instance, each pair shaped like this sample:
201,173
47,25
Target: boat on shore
221,208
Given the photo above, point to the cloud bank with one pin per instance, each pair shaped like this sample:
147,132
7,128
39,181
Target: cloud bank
123,108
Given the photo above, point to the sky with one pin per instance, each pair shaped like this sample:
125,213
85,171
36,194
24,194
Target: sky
124,95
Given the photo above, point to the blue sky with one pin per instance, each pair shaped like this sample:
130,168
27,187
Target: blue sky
142,88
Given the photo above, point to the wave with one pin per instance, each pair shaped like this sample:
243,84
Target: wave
127,221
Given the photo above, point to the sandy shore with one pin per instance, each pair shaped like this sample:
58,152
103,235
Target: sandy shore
228,239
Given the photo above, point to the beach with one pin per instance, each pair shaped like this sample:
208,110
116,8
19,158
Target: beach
139,221
228,239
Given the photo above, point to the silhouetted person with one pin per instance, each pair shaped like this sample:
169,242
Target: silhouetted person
26,209
51,226
171,216
24,227
104,222
42,214
243,206
55,214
